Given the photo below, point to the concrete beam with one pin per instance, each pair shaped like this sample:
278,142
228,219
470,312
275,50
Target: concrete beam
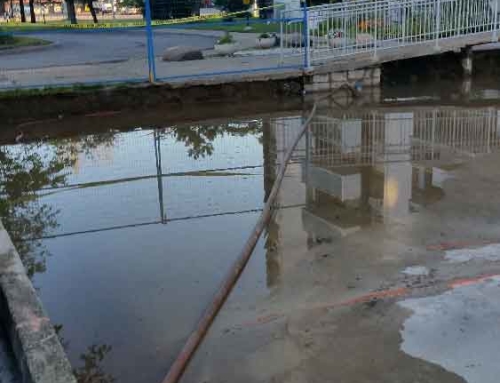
39,353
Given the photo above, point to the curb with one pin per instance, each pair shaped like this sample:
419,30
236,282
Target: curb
33,48
37,349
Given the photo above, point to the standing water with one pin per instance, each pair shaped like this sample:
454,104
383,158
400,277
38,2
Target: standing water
127,234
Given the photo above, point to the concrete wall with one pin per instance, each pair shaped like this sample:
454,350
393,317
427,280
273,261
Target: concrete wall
38,351
325,82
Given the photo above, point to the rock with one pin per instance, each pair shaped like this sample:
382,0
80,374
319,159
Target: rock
364,39
293,40
180,53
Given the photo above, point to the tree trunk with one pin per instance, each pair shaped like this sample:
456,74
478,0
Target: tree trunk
70,4
21,9
90,3
32,11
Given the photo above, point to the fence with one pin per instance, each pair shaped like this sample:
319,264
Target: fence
353,27
127,51
292,39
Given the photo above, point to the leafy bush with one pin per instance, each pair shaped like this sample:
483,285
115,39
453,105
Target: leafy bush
231,5
227,39
6,38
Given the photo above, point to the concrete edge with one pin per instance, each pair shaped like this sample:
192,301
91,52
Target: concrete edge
33,48
38,351
237,78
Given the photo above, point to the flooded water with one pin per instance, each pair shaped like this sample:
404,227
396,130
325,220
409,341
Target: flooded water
127,234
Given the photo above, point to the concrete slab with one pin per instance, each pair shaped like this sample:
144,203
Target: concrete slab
457,330
331,313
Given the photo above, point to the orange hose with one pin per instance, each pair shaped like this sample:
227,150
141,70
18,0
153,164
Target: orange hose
196,337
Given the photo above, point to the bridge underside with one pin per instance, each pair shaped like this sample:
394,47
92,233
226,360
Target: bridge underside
400,52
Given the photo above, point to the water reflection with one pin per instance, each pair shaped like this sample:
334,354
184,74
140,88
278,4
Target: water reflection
24,170
92,370
136,218
198,139
357,169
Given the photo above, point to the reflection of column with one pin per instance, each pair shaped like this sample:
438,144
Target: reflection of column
351,135
273,262
269,151
397,168
159,176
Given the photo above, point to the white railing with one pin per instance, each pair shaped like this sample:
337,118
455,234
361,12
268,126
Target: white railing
351,27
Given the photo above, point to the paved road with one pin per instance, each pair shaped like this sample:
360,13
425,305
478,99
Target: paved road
74,48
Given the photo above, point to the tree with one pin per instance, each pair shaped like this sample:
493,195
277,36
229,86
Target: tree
92,370
134,4
70,6
32,11
90,4
24,171
198,139
21,9
231,5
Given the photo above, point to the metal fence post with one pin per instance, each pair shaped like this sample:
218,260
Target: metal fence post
282,37
495,23
438,21
151,49
375,38
307,39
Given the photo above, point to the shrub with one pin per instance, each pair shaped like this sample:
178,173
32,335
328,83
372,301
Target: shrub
226,39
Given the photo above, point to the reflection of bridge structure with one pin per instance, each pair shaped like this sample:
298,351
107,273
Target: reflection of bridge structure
354,169
355,139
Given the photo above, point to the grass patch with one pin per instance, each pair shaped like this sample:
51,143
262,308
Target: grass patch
257,25
64,24
10,42
77,88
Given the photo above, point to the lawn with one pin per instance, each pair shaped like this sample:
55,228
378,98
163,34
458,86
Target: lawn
217,24
60,24
9,42
237,25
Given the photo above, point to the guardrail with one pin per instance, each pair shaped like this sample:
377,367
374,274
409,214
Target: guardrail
353,27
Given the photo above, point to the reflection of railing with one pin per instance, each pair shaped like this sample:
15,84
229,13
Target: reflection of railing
378,136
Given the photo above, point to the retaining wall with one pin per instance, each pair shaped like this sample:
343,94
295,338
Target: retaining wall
37,349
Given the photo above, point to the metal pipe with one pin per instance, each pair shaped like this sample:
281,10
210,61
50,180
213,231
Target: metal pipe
196,337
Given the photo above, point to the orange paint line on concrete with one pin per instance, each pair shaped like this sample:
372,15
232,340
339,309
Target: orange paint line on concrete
391,293
471,281
34,122
457,245
361,299
375,295
103,114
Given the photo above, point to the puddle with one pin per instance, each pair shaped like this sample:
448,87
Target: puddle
484,253
457,330
128,234
416,270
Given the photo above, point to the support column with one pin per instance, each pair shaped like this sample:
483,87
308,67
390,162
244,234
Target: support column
467,61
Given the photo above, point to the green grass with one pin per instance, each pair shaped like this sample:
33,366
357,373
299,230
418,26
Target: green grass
217,24
10,42
57,24
77,88
239,26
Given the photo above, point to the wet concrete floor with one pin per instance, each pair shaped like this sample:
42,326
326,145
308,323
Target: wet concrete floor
389,273
379,265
